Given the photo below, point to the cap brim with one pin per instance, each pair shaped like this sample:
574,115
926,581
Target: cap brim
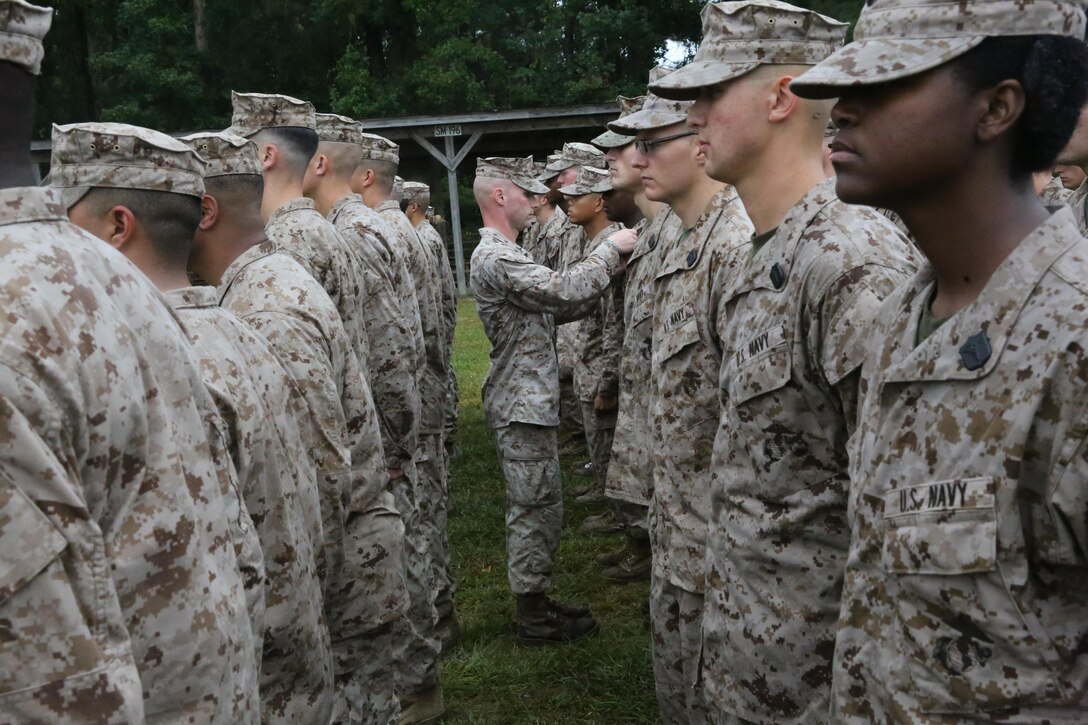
685,83
870,62
70,195
572,190
647,120
612,140
558,167
532,186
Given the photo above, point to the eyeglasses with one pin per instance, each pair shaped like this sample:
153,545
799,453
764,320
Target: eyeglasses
645,147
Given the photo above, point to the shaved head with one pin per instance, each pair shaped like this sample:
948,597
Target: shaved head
343,158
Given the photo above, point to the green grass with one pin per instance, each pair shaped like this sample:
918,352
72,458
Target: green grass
489,677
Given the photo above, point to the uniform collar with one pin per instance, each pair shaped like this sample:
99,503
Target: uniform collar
969,344
495,235
31,204
770,267
340,206
193,297
246,258
685,252
652,236
294,205
388,204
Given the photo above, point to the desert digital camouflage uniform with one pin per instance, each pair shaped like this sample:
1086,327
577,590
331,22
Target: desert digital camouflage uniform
963,599
420,658
364,551
596,370
437,508
1080,211
551,239
159,592
964,587
684,413
297,228
517,300
630,477
257,400
793,326
67,648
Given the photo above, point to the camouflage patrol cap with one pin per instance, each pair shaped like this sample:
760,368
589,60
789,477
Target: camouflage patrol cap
224,153
254,112
612,140
22,28
398,188
415,190
334,128
379,148
119,156
741,36
576,154
544,174
603,186
657,112
518,170
587,181
899,38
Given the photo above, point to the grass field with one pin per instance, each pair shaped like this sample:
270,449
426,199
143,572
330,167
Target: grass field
491,678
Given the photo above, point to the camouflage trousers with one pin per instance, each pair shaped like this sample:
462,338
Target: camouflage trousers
453,398
633,516
433,509
600,430
676,624
534,504
367,694
571,428
416,651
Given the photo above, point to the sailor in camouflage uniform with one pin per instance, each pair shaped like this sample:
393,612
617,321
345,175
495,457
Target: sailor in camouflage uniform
697,259
792,322
363,547
255,398
1076,154
964,598
111,513
517,300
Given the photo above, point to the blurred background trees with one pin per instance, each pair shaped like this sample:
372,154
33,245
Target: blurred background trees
171,64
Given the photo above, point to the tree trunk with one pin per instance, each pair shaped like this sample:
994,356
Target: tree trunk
200,35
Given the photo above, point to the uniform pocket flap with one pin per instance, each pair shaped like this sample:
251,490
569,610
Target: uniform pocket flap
941,528
675,340
28,540
763,364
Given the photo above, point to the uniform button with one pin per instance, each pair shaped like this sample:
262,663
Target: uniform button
778,277
693,257
652,244
976,351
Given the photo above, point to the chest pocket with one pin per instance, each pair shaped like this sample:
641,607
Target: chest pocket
941,528
762,365
676,341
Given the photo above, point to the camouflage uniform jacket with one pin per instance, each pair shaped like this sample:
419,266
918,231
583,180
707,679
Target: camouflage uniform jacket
596,369
516,300
424,269
257,400
363,542
550,237
529,240
112,514
684,368
448,297
793,327
570,249
629,472
390,337
299,231
964,596
1080,212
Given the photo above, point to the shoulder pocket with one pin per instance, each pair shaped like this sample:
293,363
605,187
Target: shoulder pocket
942,527
28,540
762,364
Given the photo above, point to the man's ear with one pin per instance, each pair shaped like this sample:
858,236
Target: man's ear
270,156
321,165
781,102
498,195
121,228
1000,108
209,213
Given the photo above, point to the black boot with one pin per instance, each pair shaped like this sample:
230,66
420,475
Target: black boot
570,611
538,623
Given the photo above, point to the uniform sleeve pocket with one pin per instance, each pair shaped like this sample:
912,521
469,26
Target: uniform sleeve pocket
28,540
761,374
941,528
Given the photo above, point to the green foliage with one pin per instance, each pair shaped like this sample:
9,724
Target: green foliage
171,64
